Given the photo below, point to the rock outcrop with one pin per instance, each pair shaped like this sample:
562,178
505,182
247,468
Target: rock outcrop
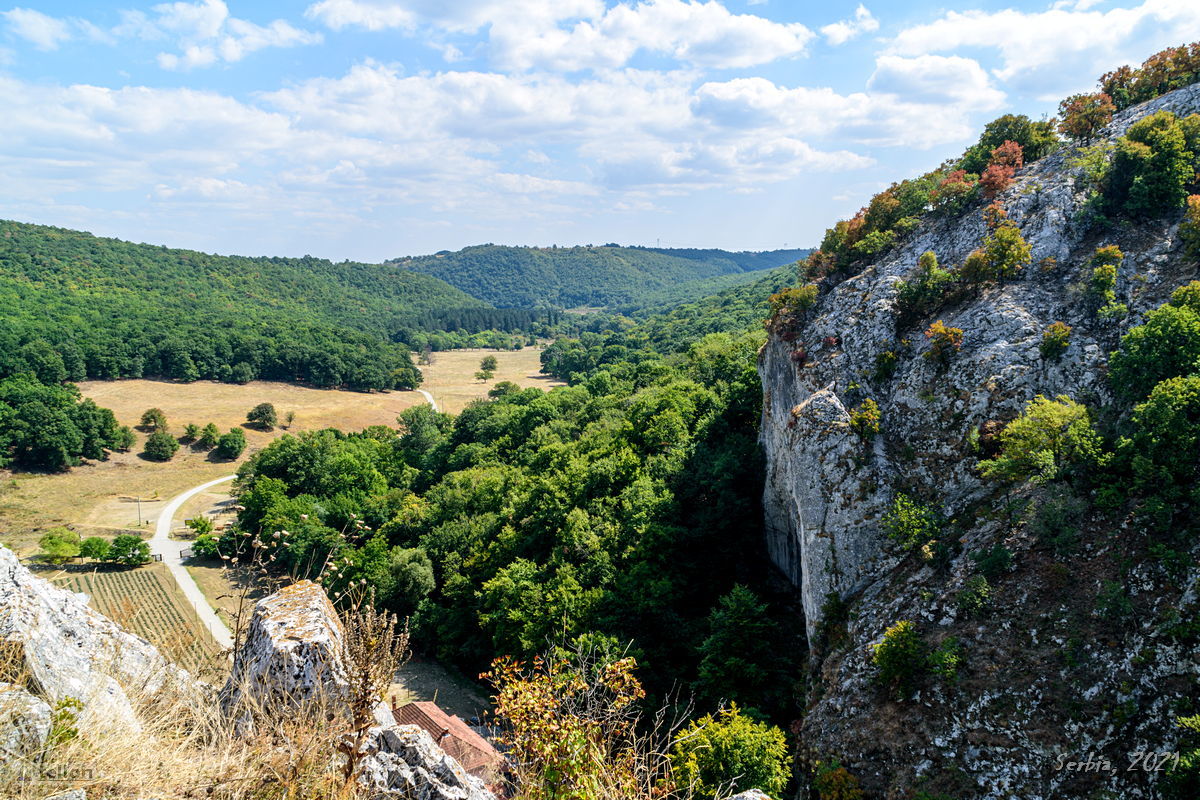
24,724
67,650
400,762
827,491
291,653
291,658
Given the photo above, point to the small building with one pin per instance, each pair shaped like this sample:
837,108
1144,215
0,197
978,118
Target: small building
476,754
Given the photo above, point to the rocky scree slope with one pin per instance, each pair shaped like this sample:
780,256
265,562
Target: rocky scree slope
1042,675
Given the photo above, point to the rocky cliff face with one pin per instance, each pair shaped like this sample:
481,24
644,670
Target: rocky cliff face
826,493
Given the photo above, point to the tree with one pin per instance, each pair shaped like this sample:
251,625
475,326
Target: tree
128,549
488,364
160,446
288,419
1151,168
209,436
729,752
153,419
483,375
411,577
263,415
191,432
1055,340
1082,115
944,341
231,445
1167,425
1165,346
910,523
124,439
739,654
95,548
59,545
1051,437
900,658
199,525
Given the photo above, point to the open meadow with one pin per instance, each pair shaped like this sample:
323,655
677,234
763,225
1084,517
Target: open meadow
450,378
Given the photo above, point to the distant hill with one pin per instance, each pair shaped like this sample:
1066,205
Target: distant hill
569,277
91,307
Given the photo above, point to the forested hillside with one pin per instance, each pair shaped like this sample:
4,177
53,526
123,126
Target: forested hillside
76,306
586,276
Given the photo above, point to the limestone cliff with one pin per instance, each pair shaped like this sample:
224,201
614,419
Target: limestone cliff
999,732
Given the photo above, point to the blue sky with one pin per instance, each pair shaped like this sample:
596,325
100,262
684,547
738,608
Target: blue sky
368,129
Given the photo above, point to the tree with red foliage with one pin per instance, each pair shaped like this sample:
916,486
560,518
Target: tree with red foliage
1005,161
1084,114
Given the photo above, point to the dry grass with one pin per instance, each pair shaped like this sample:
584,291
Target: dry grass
98,498
451,376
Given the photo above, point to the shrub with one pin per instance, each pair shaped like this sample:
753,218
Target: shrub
944,341
864,420
128,549
1055,340
263,415
1167,345
1049,438
1166,426
1113,602
1082,115
206,546
1006,251
925,291
1103,283
975,596
793,300
60,545
954,192
885,365
910,523
1182,781
154,419
191,432
1151,167
123,439
209,437
945,660
729,753
160,446
1189,229
832,781
899,659
994,562
231,445
95,548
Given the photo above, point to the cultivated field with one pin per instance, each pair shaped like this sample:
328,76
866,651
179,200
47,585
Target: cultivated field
146,601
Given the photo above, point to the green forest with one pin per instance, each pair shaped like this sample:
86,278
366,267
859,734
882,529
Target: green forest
604,276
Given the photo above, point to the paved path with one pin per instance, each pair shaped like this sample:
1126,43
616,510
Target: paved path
429,397
169,549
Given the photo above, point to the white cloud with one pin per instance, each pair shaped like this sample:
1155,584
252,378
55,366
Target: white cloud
842,32
584,34
44,32
937,80
206,34
1062,48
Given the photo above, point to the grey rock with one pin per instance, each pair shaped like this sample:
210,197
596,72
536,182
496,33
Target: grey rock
71,794
753,794
291,654
24,723
402,762
69,650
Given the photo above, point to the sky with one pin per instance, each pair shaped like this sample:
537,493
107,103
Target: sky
372,129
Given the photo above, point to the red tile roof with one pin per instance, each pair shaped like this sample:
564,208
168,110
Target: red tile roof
456,737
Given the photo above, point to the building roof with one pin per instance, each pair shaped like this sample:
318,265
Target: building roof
456,737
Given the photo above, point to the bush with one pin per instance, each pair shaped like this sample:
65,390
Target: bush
1151,167
832,781
95,548
1051,437
899,658
885,366
160,446
864,420
206,546
1005,251
191,432
1056,523
209,437
1189,229
231,445
1082,115
154,419
1167,345
944,341
1166,426
975,595
128,549
1103,283
60,545
925,292
1055,340
994,562
263,415
793,300
945,660
910,523
1113,602
123,439
730,753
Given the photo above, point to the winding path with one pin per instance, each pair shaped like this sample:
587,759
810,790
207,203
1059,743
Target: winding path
170,550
